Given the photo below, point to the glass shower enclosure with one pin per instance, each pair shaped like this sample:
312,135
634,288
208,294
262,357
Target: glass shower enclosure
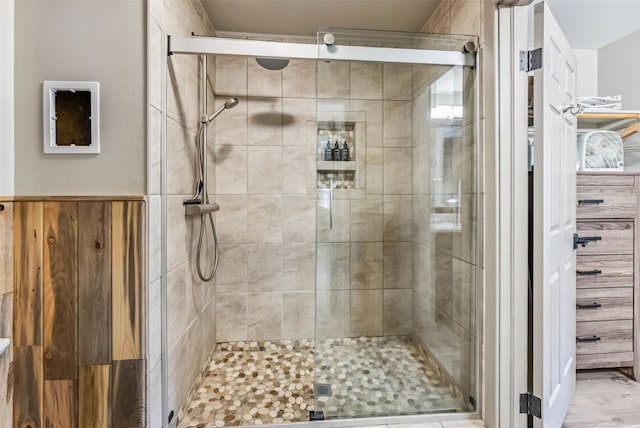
349,232
396,158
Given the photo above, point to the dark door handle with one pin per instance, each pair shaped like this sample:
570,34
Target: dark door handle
593,305
593,338
589,272
584,240
590,201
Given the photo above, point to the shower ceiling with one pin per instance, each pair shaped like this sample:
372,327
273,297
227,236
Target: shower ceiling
303,17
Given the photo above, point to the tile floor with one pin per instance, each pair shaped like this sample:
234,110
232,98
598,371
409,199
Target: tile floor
251,383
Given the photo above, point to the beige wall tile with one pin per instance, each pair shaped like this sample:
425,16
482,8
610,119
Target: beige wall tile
299,79
294,120
178,243
231,220
265,121
421,170
298,218
333,266
443,282
398,265
264,319
176,90
232,276
397,173
398,308
264,170
422,219
366,312
231,76
180,159
332,314
184,304
397,120
263,82
463,291
465,17
231,170
264,267
298,316
231,125
374,171
340,231
208,330
231,317
295,169
333,79
366,265
373,110
298,266
366,219
264,217
398,218
398,82
366,81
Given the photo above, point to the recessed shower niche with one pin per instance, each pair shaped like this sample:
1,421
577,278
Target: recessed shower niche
340,147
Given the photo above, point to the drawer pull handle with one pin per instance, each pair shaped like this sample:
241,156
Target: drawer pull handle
588,272
593,305
584,240
588,338
590,201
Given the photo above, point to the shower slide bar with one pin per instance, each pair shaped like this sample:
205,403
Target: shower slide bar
266,49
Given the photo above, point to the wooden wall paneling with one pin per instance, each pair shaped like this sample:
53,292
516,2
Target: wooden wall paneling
94,396
60,404
28,387
6,360
94,283
128,271
28,239
6,247
60,290
128,380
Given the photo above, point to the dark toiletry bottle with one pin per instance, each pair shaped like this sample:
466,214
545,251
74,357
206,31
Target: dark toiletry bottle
336,152
328,153
344,152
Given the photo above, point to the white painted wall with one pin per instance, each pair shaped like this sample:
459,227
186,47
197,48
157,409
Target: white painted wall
82,40
587,74
6,98
618,70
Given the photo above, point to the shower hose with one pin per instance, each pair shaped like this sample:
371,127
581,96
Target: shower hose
203,218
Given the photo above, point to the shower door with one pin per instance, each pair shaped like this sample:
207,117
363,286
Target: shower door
395,169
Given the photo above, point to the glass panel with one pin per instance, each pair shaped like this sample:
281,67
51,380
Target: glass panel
395,235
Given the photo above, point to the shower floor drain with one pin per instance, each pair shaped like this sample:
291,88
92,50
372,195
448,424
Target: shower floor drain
323,389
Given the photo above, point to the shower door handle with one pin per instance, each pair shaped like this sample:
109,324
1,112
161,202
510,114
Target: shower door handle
331,203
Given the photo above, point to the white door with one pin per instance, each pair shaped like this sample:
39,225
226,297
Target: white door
554,221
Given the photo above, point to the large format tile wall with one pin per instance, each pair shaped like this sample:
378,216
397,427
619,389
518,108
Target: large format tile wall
6,311
265,184
446,264
191,303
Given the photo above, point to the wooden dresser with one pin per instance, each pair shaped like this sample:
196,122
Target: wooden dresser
607,274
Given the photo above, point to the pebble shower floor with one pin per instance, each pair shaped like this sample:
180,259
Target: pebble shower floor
255,383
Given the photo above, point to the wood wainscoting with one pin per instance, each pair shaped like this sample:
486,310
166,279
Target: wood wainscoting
79,345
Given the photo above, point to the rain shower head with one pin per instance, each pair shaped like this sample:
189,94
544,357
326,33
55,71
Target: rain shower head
273,63
230,103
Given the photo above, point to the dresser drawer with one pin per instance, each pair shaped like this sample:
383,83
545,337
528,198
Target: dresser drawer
611,336
604,304
604,271
606,202
609,237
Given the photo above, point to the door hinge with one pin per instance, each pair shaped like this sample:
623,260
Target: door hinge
531,405
531,60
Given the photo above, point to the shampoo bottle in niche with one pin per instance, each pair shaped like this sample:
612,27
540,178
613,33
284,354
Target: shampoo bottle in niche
344,152
336,152
328,153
